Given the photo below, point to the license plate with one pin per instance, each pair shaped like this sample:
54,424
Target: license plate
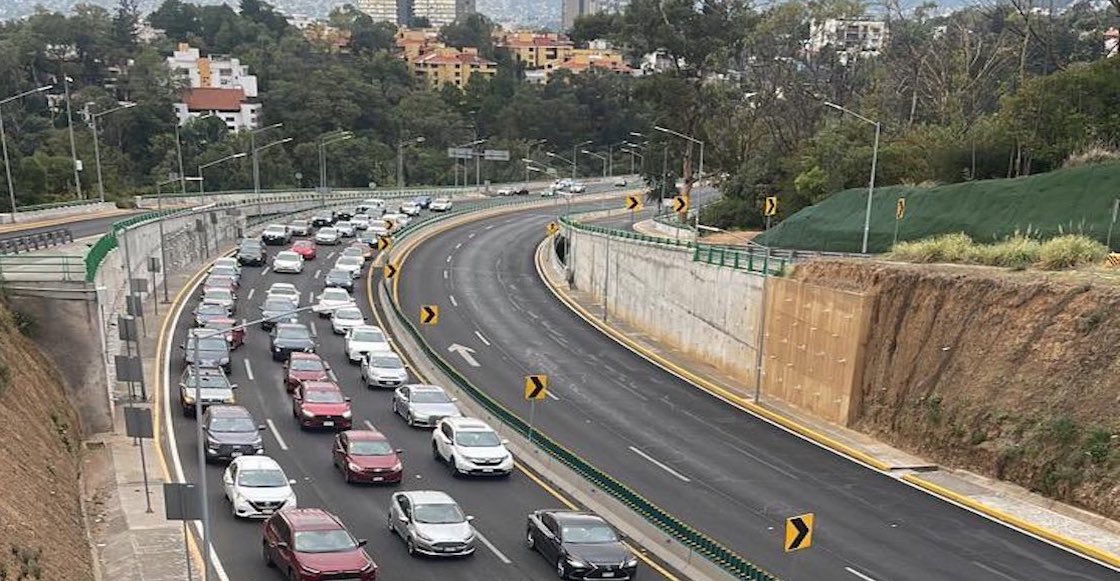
328,424
234,454
608,574
378,478
487,469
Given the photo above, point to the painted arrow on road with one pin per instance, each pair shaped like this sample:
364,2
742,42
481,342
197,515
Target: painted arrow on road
465,352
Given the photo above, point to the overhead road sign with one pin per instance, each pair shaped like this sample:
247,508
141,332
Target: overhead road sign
496,155
460,153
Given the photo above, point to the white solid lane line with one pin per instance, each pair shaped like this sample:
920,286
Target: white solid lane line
993,571
249,370
445,275
449,258
454,302
317,273
858,574
492,548
314,330
276,434
265,270
481,338
660,465
369,425
252,292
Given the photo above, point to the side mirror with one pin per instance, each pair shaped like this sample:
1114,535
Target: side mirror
505,442
182,347
362,542
262,427
292,481
470,518
399,450
233,386
454,399
347,398
404,518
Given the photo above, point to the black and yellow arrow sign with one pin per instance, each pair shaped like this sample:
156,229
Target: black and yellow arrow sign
552,228
536,387
680,204
389,270
384,242
390,223
900,209
429,315
633,203
799,532
770,206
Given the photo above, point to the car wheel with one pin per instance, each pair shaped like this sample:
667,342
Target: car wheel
389,523
453,466
411,546
435,453
408,420
561,569
266,556
293,576
346,475
529,541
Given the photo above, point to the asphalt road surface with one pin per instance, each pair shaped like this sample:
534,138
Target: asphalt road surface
78,228
721,470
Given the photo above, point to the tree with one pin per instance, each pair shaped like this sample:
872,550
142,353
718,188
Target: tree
599,25
470,30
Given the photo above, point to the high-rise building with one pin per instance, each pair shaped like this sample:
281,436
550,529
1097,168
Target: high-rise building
573,9
216,85
441,12
381,10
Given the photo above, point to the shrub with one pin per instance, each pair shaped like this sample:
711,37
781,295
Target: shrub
1070,251
1094,154
1017,252
945,248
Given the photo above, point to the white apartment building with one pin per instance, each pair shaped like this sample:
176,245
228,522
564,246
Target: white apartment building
217,86
848,37
381,10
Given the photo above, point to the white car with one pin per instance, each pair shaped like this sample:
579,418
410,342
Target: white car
256,487
332,298
397,221
440,205
351,264
364,339
577,188
470,446
300,227
371,206
342,320
410,209
345,228
360,221
378,227
327,235
287,261
222,296
284,289
276,234
505,191
226,262
383,369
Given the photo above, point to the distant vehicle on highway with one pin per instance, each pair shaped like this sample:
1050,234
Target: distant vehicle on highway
424,405
211,350
332,298
410,209
379,228
345,228
577,188
620,183
351,264
342,320
372,206
301,367
383,369
304,248
278,309
397,221
234,335
327,235
366,456
290,337
440,205
356,250
219,282
581,545
256,487
206,312
321,220
321,404
276,234
337,277
470,446
231,432
431,523
287,262
360,222
226,262
283,289
251,253
300,227
310,544
211,383
504,192
221,296
229,272
363,339
423,201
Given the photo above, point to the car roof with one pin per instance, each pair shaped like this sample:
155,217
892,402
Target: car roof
321,386
228,411
290,325
425,387
571,516
470,424
311,519
366,435
428,497
257,463
219,320
302,355
283,285
365,328
287,252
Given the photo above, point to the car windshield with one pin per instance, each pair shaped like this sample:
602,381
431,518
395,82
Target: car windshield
477,439
328,231
303,244
323,396
207,381
284,290
349,314
279,305
231,425
223,271
344,224
438,514
370,448
219,325
352,251
307,365
294,332
250,247
349,261
208,344
217,293
211,309
262,478
275,230
335,541
587,534
287,256
335,295
338,273
368,336
430,396
385,361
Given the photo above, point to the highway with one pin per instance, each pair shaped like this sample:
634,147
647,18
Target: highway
725,472
79,228
500,506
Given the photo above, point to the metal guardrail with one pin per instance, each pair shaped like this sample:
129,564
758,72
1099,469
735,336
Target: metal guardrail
35,241
726,559
56,205
35,267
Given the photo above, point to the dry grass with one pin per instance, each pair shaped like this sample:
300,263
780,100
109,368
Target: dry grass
1017,252
1094,154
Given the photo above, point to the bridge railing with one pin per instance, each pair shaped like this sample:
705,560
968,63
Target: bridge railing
37,267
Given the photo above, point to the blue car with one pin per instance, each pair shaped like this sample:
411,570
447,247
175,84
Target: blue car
422,201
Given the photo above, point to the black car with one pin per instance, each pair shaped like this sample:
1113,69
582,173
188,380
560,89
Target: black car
251,253
208,384
205,312
339,278
423,201
581,545
278,310
231,431
320,220
211,350
288,337
521,192
341,215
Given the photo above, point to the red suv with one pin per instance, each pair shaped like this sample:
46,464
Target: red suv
367,456
321,404
311,544
301,367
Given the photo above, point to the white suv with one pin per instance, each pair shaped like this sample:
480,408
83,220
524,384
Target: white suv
365,339
470,446
332,298
256,487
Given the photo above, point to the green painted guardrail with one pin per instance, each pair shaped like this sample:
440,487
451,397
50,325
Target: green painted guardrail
723,557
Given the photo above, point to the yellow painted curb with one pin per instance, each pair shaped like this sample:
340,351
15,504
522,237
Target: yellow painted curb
1071,544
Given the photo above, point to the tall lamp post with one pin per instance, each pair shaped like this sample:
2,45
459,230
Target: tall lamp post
602,158
66,80
575,155
201,179
632,155
4,142
874,164
253,151
97,148
324,141
565,160
470,144
257,170
700,171
400,157
529,154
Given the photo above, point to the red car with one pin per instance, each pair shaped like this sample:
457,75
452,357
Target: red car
302,367
235,337
310,544
304,248
321,404
367,456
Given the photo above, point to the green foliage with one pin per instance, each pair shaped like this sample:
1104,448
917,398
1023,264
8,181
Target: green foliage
596,26
1062,431
957,247
1098,445
1070,251
470,30
1015,252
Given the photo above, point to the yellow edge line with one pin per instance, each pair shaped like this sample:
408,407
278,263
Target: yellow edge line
409,246
157,417
21,226
734,399
751,407
1072,544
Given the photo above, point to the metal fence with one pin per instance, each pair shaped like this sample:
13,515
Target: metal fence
35,241
34,267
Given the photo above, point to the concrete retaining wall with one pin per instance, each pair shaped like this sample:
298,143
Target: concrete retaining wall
704,310
72,210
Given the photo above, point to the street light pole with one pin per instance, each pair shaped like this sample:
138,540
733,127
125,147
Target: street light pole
400,158
529,154
874,167
326,140
603,159
4,143
575,156
70,128
257,171
97,148
201,188
700,170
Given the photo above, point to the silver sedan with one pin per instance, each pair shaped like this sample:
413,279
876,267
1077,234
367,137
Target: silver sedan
424,405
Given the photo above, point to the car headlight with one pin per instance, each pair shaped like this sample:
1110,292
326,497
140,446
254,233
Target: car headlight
353,467
347,414
230,399
188,399
308,414
291,501
369,566
397,467
576,562
276,348
631,562
423,537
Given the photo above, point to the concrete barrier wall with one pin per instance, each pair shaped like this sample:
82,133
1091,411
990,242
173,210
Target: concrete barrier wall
73,210
706,311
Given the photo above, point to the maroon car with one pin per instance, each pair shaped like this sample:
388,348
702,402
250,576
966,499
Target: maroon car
310,544
302,367
219,281
367,456
321,404
304,248
235,337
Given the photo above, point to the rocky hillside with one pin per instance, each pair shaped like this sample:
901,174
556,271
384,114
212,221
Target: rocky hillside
1015,375
42,533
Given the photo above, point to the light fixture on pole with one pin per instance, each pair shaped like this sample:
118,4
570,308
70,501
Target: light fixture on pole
575,155
874,164
632,155
529,154
97,148
324,141
66,80
257,171
400,157
201,179
4,142
610,154
565,160
604,159
700,171
253,151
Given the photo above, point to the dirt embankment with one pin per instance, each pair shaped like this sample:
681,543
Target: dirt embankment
42,533
1015,375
